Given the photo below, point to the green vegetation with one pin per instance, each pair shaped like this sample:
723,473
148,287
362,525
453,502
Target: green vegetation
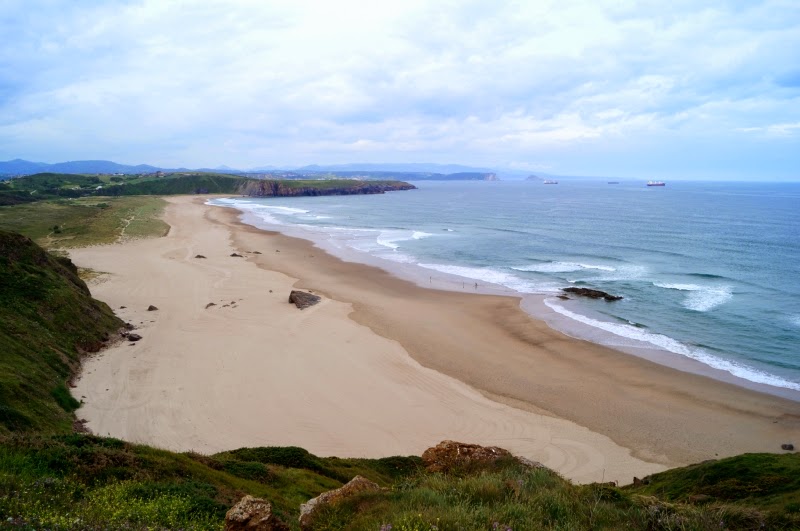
510,497
45,186
762,481
48,319
87,482
82,481
87,221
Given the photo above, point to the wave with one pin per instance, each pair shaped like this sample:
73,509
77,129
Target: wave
390,238
493,276
623,273
671,345
707,275
701,298
561,267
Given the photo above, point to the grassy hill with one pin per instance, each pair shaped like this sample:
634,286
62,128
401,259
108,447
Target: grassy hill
65,223
47,320
87,482
45,186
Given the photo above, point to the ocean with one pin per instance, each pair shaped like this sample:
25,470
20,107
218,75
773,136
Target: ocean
709,272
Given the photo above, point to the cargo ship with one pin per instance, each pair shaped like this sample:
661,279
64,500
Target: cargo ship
656,183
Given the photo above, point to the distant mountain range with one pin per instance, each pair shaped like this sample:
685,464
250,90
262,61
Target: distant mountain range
25,167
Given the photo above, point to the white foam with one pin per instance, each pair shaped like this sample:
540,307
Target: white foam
288,210
679,287
492,276
391,238
671,345
701,298
562,267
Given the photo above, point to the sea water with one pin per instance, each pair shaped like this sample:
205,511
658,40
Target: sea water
708,271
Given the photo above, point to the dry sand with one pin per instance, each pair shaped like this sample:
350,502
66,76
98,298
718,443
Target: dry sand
380,367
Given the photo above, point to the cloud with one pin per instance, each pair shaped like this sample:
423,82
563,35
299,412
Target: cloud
527,84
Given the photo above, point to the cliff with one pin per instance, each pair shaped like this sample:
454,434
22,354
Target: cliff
288,188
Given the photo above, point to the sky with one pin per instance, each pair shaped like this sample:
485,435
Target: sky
650,89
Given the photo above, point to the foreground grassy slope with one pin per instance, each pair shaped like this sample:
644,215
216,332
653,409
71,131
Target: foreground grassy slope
47,319
86,482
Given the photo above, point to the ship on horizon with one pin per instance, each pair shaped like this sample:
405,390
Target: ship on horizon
656,183
548,181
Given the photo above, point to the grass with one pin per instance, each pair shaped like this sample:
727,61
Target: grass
763,481
510,497
81,222
88,482
82,481
47,320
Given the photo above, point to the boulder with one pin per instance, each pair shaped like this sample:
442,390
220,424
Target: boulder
133,337
151,308
356,485
253,514
237,255
199,256
452,455
592,293
303,300
788,447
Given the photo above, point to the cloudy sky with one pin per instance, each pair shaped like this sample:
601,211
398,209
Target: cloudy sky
650,89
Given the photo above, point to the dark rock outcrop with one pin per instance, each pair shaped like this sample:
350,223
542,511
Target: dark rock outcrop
253,514
199,256
356,485
133,337
236,255
451,455
303,300
152,308
788,447
592,293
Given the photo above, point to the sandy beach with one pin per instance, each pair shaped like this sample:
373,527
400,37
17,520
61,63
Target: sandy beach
381,366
